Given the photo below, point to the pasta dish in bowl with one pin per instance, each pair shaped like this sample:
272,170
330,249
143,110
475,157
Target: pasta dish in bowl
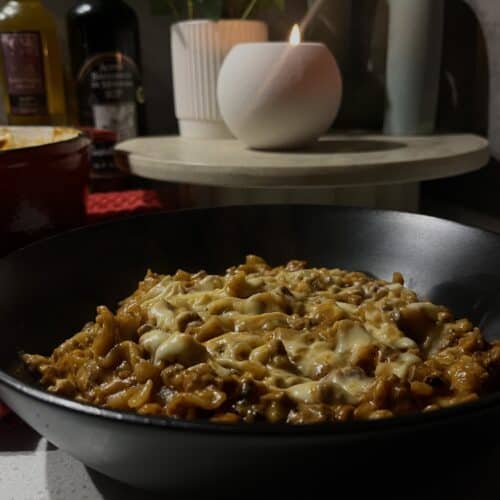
287,344
255,378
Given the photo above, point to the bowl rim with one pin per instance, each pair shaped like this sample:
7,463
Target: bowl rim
79,135
349,429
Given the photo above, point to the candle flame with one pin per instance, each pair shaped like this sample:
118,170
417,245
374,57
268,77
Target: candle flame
295,35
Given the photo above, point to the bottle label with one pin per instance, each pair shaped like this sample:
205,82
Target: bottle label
23,61
110,90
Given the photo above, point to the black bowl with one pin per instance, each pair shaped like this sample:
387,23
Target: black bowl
50,289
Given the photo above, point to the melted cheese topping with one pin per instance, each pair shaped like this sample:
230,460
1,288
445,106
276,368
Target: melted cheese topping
316,335
283,344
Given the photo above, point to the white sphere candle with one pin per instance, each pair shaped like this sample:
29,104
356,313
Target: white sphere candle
279,95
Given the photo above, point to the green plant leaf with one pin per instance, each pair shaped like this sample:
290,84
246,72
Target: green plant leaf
161,8
207,9
177,9
260,5
271,4
233,9
212,9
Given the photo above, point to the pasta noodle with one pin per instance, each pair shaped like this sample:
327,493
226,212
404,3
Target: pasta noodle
284,344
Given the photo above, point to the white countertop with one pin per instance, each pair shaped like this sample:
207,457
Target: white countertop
33,469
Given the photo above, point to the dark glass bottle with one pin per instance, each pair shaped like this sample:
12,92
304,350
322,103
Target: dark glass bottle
105,57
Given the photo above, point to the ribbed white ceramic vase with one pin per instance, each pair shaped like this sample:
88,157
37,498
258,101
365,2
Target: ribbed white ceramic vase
198,51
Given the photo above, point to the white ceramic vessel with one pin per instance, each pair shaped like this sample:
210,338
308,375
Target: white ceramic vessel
413,67
279,95
198,51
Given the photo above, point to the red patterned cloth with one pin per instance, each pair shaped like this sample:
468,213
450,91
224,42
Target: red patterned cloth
103,206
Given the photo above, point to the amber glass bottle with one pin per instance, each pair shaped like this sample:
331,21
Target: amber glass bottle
30,65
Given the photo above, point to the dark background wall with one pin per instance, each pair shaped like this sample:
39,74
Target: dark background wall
355,30
349,27
470,100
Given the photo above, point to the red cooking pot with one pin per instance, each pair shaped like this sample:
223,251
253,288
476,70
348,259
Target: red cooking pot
43,182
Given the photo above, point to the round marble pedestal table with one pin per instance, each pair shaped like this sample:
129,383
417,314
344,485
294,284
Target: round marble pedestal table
374,171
